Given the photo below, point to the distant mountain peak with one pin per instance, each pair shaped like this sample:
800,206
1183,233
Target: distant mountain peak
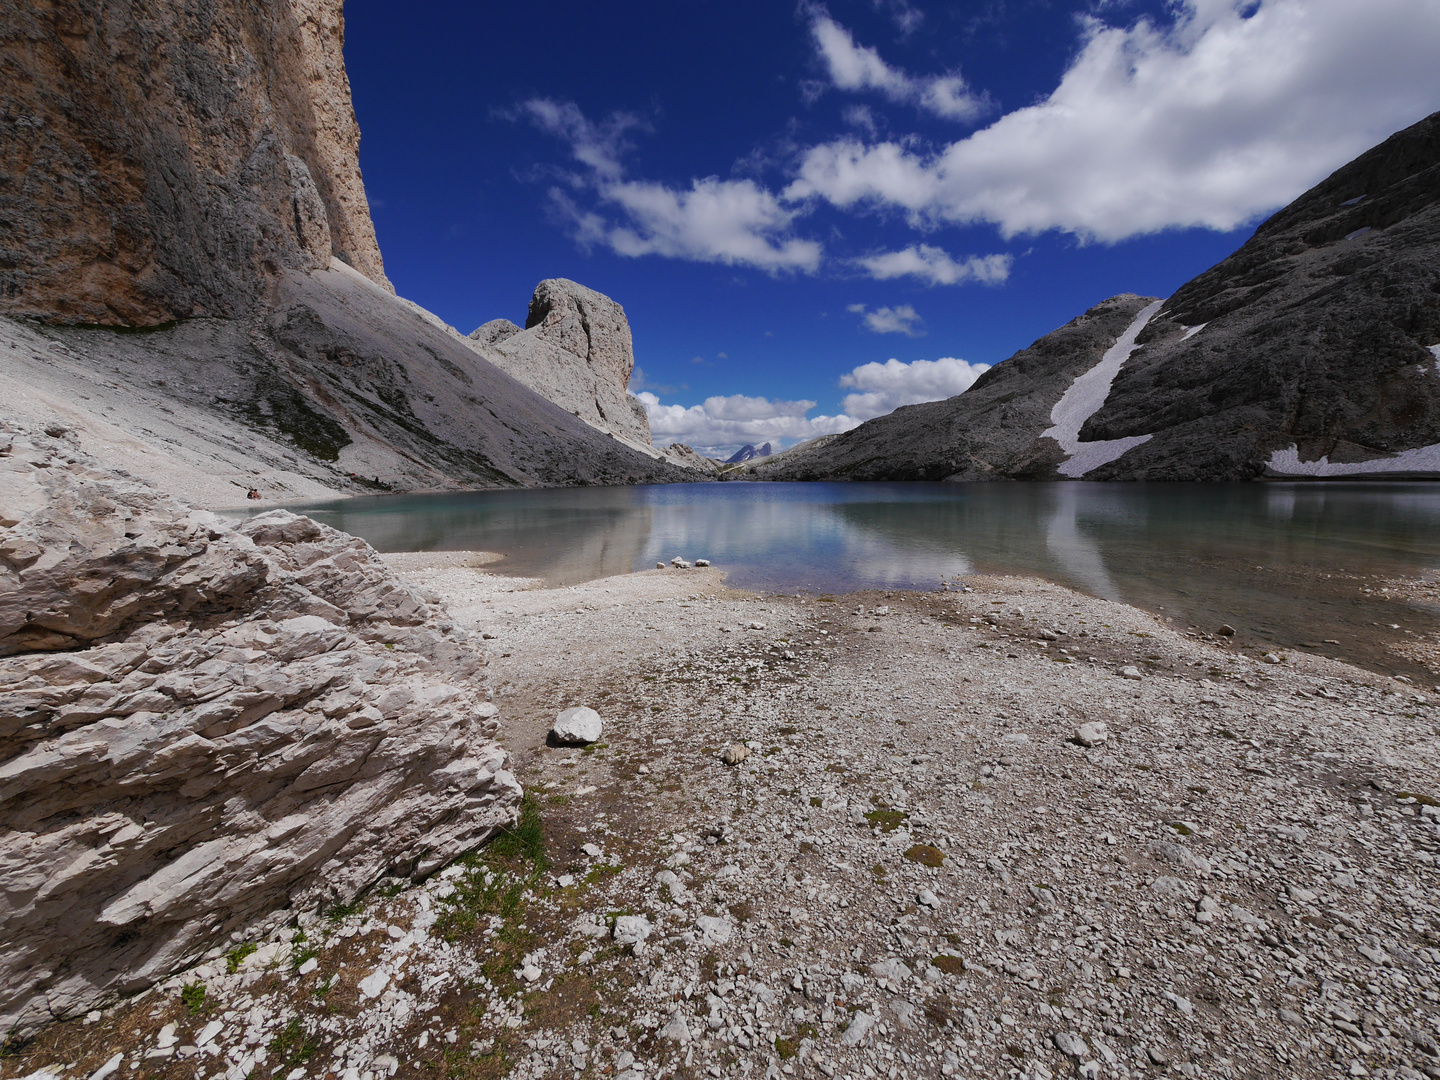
747,452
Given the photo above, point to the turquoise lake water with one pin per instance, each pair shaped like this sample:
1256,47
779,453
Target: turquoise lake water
1283,563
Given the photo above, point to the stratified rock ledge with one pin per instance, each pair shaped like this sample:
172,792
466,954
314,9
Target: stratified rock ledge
205,727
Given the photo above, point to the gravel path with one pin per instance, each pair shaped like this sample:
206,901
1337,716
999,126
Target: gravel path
915,869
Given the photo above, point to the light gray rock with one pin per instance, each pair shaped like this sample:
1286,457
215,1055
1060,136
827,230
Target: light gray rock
577,727
631,929
1181,856
714,931
576,351
675,1029
1071,1044
860,1026
1093,733
271,755
1130,671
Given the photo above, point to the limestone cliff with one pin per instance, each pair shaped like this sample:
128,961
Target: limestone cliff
575,350
168,159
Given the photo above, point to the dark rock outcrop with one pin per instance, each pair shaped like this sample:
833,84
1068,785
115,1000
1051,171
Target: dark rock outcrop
1313,350
170,159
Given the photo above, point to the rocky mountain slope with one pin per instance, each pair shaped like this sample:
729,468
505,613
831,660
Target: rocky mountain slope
193,172
576,351
1313,350
204,729
991,430
167,159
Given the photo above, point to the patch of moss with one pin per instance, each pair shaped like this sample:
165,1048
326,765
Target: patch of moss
925,855
951,965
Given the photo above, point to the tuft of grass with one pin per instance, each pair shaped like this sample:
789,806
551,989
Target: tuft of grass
786,1048
236,956
1423,800
192,996
951,965
524,841
293,1046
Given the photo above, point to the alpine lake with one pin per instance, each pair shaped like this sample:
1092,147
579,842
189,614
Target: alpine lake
1308,567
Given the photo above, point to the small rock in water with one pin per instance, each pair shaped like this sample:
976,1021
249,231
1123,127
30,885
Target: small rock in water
734,754
1130,672
1226,630
576,727
659,566
1092,734
702,562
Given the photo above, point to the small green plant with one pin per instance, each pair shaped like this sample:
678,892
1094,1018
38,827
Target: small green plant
192,997
293,1046
236,956
886,820
338,911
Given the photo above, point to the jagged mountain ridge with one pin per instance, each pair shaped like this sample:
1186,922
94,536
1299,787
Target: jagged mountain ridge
1310,351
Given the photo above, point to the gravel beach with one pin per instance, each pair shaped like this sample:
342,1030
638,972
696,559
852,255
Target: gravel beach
1006,831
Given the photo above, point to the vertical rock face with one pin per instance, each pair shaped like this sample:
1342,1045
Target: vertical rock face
260,719
575,350
167,159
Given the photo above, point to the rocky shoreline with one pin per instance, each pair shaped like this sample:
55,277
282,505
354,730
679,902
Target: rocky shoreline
916,868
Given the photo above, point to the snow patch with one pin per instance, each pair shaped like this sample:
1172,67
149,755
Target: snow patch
1084,399
1435,352
1191,331
1352,202
1422,459
1357,232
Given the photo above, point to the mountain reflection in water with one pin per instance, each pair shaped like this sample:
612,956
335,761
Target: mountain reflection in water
1278,561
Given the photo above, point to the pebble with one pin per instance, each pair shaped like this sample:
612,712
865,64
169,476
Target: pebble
1130,671
1092,734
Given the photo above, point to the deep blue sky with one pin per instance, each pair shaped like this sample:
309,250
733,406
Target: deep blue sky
459,168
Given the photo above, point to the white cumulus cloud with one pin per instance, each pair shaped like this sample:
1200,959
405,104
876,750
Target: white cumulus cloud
900,319
883,388
735,222
860,67
1229,111
721,425
936,267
